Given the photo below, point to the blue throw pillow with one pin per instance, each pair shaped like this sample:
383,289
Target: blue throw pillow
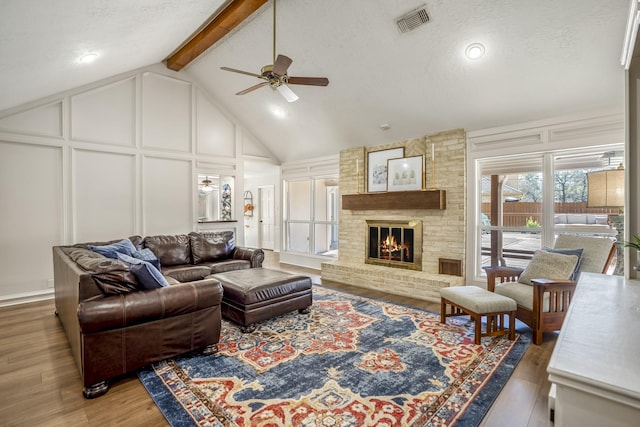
576,252
147,254
148,276
124,246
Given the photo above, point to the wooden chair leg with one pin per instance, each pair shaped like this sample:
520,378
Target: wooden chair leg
443,311
537,336
478,328
512,325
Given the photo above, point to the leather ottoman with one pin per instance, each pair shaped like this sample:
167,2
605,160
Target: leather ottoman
257,294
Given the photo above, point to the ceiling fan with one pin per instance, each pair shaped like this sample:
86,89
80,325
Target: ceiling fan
276,76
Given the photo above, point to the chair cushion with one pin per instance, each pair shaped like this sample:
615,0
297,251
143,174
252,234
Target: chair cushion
547,265
478,300
595,250
522,294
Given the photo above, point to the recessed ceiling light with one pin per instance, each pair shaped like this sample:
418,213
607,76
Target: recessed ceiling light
385,126
88,57
474,51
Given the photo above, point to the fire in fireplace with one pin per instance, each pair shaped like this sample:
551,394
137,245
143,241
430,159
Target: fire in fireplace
395,244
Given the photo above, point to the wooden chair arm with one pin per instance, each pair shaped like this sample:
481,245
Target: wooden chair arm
549,282
501,274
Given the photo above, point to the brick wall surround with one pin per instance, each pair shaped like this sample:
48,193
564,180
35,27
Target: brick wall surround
443,230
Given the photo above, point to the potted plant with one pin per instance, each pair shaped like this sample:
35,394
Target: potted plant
635,244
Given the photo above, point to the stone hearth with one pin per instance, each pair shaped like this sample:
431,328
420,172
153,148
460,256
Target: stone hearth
443,230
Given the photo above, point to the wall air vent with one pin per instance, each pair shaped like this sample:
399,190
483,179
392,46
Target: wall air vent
412,20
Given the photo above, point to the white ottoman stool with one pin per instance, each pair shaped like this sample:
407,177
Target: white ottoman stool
478,302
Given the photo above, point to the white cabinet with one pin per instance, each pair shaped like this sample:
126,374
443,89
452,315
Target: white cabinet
595,365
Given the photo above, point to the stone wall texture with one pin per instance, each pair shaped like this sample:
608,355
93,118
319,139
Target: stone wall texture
443,230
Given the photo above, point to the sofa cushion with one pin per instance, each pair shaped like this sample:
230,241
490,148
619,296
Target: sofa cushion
93,261
546,265
124,246
147,254
147,275
577,252
170,250
211,246
187,273
228,265
601,220
560,219
116,282
576,218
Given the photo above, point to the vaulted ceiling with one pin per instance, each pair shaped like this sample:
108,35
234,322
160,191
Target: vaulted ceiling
543,58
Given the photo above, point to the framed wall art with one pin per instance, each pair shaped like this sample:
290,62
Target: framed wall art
405,174
377,168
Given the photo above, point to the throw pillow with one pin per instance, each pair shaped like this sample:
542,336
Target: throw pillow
547,265
147,254
576,252
148,276
124,246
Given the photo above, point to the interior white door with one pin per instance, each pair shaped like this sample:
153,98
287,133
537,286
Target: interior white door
266,208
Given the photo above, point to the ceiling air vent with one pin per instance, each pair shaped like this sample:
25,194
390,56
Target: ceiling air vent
412,20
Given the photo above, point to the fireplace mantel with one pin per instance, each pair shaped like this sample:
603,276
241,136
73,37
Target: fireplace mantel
428,199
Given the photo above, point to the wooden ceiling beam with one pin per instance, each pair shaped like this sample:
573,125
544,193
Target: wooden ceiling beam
230,17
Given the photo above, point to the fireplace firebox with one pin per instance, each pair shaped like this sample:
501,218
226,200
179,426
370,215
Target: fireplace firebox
394,244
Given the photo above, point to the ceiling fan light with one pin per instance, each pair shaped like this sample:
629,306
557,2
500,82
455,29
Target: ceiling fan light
287,93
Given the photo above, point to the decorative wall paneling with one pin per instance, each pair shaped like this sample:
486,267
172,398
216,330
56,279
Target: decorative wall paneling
31,191
103,196
43,120
166,113
115,105
107,160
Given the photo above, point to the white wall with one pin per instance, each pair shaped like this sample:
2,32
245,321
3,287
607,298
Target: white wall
108,160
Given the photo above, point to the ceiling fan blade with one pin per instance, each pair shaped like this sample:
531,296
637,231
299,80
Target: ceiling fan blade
287,93
233,70
281,65
252,88
311,81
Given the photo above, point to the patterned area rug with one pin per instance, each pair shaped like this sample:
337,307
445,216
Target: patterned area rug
353,361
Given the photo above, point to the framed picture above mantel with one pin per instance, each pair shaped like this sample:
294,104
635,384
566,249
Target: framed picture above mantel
377,168
405,174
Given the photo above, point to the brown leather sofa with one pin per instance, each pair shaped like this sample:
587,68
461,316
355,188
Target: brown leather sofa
114,327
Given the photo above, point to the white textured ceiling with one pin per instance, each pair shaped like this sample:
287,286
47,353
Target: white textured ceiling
543,58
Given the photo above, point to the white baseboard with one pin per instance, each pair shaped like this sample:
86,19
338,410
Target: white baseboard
26,297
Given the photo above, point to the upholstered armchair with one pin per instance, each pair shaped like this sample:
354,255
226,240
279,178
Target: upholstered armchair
543,291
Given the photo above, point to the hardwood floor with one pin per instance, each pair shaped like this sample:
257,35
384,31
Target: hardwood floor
40,384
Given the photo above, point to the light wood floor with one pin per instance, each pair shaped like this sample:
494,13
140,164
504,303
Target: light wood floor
40,385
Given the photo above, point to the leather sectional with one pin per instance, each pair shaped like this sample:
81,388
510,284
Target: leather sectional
115,326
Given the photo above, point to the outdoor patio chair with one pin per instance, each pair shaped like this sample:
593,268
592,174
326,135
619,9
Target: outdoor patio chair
543,300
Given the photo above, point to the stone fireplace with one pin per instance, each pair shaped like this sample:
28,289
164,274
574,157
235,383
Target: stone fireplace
365,263
394,244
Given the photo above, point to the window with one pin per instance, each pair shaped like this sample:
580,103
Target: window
311,221
527,200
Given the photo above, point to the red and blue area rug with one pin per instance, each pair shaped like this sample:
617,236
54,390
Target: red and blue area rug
353,361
